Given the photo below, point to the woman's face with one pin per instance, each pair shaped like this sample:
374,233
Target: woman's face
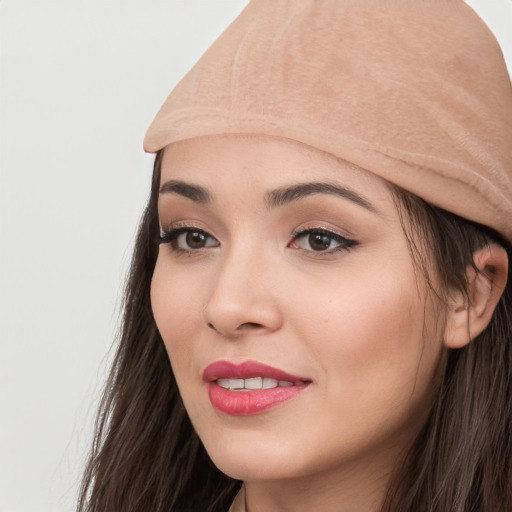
299,331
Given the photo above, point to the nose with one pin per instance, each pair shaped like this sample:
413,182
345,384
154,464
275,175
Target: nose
243,299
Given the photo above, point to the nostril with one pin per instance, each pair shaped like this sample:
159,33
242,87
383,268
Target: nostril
250,325
241,327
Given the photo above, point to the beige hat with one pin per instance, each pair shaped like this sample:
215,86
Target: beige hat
415,91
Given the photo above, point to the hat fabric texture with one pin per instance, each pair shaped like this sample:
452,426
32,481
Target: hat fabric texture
415,91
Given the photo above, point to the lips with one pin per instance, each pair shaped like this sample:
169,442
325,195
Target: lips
250,387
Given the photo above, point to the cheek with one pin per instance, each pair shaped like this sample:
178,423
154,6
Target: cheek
372,339
368,338
175,302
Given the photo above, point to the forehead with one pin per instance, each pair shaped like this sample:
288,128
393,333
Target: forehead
263,163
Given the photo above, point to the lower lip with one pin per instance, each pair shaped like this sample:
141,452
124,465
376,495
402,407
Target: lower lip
246,403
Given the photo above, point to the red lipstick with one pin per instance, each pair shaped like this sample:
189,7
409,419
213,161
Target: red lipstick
251,387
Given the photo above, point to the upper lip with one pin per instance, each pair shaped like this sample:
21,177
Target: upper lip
247,370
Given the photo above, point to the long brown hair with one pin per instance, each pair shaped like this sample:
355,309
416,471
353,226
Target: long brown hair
147,457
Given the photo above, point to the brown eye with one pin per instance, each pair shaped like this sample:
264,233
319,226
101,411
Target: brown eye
195,239
188,240
319,241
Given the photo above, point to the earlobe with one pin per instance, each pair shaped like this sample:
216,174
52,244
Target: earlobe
471,312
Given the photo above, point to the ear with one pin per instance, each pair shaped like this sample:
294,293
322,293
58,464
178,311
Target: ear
485,284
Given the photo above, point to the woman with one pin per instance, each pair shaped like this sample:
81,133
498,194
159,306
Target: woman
318,311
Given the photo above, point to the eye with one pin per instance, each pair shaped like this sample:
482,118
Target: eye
321,240
188,239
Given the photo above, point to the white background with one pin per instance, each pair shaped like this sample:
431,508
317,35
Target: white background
79,83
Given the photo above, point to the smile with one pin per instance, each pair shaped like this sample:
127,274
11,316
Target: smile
249,388
254,383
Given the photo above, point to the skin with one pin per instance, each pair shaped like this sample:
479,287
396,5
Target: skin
359,322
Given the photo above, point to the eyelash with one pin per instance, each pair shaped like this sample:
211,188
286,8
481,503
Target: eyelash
345,244
171,238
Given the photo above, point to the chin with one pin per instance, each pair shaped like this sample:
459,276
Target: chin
253,460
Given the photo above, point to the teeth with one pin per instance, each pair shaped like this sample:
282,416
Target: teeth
269,383
236,384
253,383
223,383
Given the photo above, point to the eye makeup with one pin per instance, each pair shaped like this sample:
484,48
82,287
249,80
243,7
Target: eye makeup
321,240
189,239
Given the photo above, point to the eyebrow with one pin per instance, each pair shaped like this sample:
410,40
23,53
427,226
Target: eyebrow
196,193
286,195
274,198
